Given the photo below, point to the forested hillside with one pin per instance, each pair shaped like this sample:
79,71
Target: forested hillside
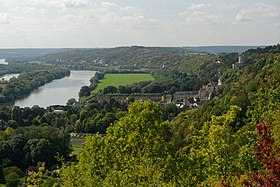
133,58
232,140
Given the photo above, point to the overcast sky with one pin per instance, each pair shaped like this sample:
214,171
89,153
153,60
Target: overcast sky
97,23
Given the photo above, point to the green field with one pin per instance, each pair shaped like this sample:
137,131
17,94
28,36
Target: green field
121,80
77,145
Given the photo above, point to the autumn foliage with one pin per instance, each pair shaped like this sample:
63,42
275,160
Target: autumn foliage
270,175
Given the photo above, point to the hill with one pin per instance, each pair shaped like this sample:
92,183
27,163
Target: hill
222,49
134,57
232,140
23,53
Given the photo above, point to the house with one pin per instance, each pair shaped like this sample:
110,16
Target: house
205,91
183,96
78,105
58,111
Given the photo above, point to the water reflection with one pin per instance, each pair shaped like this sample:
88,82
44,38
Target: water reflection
58,92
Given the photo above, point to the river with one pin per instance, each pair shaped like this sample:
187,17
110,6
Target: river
57,92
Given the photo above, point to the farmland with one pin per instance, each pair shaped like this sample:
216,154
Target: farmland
122,79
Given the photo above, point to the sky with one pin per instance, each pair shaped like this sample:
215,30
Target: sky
111,23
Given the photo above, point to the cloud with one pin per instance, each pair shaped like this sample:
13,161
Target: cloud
59,3
257,10
129,9
4,18
277,24
107,5
31,10
46,3
195,6
226,7
75,3
198,17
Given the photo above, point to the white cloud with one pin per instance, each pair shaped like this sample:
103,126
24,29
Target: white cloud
195,6
4,18
46,3
59,3
130,9
31,10
226,7
257,10
108,5
199,17
75,3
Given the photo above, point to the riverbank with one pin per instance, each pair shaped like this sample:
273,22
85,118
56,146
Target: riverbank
29,81
57,92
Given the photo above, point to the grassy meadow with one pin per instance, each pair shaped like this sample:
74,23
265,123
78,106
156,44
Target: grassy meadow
77,145
121,80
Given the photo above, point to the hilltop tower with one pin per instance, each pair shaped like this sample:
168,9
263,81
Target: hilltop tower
240,64
241,59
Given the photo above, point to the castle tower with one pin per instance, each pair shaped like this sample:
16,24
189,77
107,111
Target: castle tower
241,59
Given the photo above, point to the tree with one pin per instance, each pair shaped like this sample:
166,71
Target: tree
270,158
84,91
134,151
12,176
39,150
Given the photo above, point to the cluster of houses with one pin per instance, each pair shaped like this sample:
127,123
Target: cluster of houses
193,99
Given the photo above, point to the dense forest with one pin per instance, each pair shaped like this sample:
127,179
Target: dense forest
231,140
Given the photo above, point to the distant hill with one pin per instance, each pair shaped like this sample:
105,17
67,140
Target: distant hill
29,52
37,52
137,57
221,49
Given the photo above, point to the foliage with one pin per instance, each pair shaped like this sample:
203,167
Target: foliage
270,175
131,153
41,177
30,80
29,145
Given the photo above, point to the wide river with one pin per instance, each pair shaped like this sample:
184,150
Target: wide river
57,92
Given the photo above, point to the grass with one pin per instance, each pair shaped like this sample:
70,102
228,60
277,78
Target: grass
121,80
77,145
76,149
2,185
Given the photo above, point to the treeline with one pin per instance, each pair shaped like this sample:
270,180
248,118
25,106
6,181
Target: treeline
86,90
166,81
30,80
23,148
21,66
96,117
